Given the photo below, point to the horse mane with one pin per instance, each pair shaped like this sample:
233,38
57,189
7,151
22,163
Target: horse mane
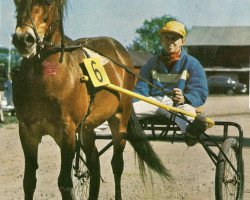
64,4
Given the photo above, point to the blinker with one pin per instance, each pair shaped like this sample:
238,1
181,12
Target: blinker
49,2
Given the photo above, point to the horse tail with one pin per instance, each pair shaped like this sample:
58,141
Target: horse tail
142,147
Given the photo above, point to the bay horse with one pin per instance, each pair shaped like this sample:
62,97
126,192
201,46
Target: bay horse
51,99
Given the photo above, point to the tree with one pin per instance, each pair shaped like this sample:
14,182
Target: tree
4,60
148,39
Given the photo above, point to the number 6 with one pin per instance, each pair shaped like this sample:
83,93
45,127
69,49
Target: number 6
97,72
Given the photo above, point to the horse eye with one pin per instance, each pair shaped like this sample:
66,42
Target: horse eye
49,2
46,2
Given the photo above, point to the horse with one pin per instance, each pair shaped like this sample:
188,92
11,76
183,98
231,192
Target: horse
51,98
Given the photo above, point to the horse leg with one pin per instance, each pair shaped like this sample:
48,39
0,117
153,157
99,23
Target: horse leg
93,163
118,134
30,149
67,147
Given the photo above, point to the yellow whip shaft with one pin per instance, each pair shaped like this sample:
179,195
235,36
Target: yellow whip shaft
156,103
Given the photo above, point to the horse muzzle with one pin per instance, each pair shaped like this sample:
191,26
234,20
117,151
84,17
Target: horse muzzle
25,42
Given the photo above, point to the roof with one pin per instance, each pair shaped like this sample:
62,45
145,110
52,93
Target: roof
227,69
219,36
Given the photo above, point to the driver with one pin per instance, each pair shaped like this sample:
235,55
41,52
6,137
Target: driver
177,72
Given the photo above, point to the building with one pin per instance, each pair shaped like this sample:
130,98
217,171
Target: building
222,49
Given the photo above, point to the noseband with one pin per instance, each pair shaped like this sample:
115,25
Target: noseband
41,42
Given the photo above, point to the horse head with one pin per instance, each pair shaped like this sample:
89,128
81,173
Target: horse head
37,22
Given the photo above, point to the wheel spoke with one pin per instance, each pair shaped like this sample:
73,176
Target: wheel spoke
229,173
80,178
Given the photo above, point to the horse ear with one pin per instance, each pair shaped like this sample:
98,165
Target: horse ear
17,2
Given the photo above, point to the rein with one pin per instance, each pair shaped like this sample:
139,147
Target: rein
127,69
55,49
42,43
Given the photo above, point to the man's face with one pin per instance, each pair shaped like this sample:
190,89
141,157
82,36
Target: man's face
172,42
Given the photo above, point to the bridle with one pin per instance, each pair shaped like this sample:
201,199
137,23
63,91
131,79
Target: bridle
41,41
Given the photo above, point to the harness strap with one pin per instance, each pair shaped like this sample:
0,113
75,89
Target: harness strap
38,38
62,35
92,96
57,49
131,72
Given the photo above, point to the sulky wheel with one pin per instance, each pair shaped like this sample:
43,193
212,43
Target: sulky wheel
229,183
80,176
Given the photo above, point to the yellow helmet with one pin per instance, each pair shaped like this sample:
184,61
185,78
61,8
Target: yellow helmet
175,27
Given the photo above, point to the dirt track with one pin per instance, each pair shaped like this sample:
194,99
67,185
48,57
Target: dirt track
192,169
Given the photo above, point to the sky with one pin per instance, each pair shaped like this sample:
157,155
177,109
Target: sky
120,18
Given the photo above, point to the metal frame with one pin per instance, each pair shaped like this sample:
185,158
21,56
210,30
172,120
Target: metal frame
163,129
169,132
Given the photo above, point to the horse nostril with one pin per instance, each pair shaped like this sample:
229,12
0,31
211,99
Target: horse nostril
23,41
29,39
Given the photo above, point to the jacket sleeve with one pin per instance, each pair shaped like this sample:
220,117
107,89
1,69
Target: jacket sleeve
141,87
196,90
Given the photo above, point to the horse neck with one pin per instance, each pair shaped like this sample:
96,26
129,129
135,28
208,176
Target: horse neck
55,38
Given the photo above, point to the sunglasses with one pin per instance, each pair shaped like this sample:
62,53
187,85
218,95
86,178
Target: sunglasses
172,38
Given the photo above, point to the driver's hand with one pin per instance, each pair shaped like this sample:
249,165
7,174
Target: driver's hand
178,97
